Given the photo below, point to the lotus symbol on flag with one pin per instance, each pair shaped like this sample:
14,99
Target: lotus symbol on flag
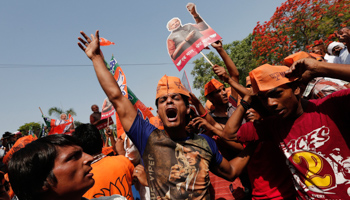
213,36
120,82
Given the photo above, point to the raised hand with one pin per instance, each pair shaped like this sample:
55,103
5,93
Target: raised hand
199,122
304,69
191,7
217,45
91,46
194,100
221,73
109,132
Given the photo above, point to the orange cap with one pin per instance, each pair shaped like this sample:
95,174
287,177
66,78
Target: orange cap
211,86
268,76
289,60
170,84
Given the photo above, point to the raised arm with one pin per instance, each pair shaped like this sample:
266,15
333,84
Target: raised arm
235,121
307,69
222,74
231,67
191,7
207,122
124,108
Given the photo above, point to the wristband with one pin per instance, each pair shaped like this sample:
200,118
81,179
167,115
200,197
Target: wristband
205,114
245,104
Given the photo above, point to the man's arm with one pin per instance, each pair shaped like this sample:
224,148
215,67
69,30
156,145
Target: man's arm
230,170
222,74
122,105
307,69
207,122
230,65
191,7
234,122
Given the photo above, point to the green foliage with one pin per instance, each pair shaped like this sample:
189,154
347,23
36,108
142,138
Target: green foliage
58,111
240,53
36,127
298,25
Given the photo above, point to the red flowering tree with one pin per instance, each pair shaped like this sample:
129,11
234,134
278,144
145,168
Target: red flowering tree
296,26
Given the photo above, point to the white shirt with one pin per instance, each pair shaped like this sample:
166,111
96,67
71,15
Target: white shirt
344,57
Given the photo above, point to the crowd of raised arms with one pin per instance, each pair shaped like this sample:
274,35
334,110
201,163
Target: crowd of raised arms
284,135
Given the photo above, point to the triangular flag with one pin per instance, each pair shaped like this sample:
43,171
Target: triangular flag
105,42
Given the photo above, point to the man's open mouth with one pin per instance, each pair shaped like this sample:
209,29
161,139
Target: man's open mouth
171,114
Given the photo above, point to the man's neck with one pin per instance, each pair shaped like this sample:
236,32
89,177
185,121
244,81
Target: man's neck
176,133
300,109
221,110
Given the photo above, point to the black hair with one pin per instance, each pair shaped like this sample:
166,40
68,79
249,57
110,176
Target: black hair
89,137
7,135
184,97
293,84
30,168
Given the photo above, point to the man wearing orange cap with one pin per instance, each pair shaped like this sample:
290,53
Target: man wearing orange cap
216,93
225,105
307,132
163,152
269,180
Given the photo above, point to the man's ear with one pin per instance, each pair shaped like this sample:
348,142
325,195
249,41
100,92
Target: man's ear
47,185
297,91
45,188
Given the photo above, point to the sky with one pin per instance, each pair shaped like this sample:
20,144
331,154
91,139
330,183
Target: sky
42,66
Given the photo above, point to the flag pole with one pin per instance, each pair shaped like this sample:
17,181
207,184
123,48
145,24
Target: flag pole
207,59
41,111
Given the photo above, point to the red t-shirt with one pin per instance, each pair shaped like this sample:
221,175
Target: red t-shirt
269,175
316,145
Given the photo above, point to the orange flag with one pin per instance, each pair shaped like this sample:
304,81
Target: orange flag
119,76
105,42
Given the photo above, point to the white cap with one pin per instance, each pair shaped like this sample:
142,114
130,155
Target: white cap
332,45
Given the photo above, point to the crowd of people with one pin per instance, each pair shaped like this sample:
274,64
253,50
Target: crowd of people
281,136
